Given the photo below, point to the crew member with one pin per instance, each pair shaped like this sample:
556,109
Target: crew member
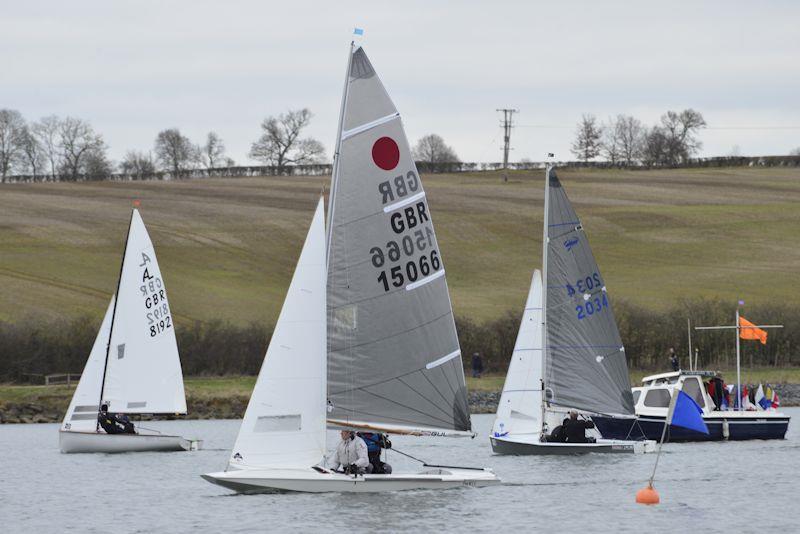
108,421
575,429
351,455
673,360
375,442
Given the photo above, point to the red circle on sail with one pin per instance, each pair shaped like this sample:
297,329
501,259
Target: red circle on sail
386,153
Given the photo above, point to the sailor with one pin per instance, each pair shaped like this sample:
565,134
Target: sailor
477,365
351,455
127,425
108,421
575,429
375,442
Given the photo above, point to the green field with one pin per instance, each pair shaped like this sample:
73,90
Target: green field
227,247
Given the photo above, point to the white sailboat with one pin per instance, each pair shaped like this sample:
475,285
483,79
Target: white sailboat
380,342
568,354
134,367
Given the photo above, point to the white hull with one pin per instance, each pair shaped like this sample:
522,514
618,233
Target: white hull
71,442
530,445
313,481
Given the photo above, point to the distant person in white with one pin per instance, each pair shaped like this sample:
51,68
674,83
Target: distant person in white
351,455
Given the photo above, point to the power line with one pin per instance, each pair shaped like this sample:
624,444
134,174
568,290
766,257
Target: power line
508,123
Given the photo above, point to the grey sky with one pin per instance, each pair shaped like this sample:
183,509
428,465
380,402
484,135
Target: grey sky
134,68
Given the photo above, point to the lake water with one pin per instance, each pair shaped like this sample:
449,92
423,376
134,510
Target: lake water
716,487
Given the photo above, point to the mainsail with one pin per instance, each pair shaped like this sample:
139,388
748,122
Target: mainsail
82,411
393,355
143,369
520,408
284,425
585,365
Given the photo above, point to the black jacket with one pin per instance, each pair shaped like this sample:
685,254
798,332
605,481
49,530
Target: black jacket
575,429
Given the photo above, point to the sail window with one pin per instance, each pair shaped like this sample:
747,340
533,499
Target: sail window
657,398
83,417
346,317
691,387
278,423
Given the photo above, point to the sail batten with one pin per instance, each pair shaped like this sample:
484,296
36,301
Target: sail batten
585,363
389,313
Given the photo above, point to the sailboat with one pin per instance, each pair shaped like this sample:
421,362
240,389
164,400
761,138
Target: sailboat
133,367
366,338
568,354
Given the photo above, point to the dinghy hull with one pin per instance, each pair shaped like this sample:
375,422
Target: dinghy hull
83,442
533,447
312,481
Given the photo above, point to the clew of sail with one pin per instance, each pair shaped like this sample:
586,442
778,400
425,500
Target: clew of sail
85,403
585,358
284,425
143,369
393,354
520,408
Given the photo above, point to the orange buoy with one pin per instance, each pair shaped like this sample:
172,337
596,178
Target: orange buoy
647,495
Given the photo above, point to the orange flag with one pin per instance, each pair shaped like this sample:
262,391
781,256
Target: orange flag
748,330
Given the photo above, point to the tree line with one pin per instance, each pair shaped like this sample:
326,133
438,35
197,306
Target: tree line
68,148
625,140
34,347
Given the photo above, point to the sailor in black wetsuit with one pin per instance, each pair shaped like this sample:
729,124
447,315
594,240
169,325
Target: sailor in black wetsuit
575,430
114,424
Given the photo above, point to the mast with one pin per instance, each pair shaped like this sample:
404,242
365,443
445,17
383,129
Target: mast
689,331
545,243
337,149
114,311
737,331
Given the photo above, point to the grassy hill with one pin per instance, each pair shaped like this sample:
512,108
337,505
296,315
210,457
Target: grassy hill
227,247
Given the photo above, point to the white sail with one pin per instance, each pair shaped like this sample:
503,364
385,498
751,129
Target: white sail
284,425
85,403
143,371
520,407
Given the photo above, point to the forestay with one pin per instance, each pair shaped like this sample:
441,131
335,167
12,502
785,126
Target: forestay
585,359
143,372
284,425
394,359
82,411
520,408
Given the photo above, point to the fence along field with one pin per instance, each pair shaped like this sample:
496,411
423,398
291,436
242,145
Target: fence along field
665,240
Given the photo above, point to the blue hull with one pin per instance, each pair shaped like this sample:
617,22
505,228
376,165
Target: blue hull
651,427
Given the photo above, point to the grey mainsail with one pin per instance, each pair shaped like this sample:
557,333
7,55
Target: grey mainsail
393,353
585,365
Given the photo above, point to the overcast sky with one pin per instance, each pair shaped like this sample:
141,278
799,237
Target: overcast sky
134,68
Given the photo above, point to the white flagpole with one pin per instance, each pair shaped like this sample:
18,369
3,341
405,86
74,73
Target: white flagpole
738,361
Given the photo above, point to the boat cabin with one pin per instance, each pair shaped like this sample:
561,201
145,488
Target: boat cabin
656,391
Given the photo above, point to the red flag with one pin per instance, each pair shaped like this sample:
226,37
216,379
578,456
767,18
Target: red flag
748,330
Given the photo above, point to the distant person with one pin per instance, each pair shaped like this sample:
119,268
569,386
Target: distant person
375,442
574,429
477,365
351,455
673,360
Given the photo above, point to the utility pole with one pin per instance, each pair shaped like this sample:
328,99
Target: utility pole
508,123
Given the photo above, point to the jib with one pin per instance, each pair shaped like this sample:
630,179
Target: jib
408,218
402,186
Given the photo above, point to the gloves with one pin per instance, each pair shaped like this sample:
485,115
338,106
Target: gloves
353,469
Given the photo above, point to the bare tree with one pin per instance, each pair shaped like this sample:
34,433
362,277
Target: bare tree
32,155
46,133
77,140
631,136
175,152
655,145
795,152
280,143
587,139
12,126
96,166
213,151
681,130
138,164
611,141
432,149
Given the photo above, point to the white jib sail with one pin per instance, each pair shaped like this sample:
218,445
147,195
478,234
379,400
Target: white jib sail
284,425
520,407
82,412
143,372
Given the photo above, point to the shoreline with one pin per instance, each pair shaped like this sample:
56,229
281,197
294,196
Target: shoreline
49,407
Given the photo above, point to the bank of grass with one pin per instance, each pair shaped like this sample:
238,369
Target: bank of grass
207,389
